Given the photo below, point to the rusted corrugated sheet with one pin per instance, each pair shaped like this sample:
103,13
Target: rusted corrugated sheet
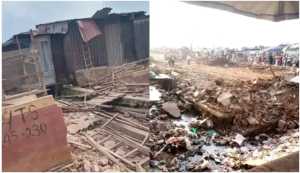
141,32
113,44
58,56
12,45
127,39
53,28
73,49
98,47
88,29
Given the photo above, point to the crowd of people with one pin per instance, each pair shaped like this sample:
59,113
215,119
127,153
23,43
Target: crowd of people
274,58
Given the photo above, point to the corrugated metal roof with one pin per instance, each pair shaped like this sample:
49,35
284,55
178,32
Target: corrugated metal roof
54,28
102,13
88,29
12,40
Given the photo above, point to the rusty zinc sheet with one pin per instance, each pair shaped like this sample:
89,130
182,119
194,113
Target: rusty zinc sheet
88,29
53,28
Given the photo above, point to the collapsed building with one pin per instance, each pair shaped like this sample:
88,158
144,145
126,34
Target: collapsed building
66,47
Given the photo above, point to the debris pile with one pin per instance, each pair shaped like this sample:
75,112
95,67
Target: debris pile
215,125
107,125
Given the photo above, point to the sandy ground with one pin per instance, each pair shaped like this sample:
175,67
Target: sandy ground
229,73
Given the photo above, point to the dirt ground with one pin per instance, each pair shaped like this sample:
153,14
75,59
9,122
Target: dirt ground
227,73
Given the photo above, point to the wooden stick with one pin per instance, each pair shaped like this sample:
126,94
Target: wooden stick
160,150
128,154
138,168
119,157
79,144
117,144
85,98
144,161
109,136
23,65
67,166
106,123
131,142
33,45
120,133
104,151
146,139
274,76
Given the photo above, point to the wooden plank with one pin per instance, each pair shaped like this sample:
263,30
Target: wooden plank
146,139
128,154
138,168
130,109
106,152
130,142
117,144
109,136
144,161
79,144
106,123
119,157
33,45
138,84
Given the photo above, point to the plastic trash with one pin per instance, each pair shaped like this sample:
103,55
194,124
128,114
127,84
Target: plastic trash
188,144
239,139
211,132
194,130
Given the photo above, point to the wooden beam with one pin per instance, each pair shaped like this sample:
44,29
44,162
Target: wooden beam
117,144
109,136
106,123
128,154
146,139
33,45
106,152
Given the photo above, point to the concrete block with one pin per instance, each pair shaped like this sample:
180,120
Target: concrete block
34,136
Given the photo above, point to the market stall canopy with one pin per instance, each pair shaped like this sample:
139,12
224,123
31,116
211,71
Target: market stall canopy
286,44
275,11
295,46
275,48
288,48
245,48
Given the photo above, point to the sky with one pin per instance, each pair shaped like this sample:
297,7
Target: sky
22,16
175,24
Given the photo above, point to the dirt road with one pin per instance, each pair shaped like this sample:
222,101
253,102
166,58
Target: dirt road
230,73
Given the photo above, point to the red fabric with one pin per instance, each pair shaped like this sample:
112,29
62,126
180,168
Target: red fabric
279,58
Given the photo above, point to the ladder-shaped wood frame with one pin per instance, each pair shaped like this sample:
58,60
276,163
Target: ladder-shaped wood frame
123,141
91,76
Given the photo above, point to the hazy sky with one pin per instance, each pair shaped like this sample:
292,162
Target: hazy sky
173,24
22,16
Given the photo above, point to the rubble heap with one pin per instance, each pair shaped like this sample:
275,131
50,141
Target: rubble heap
245,122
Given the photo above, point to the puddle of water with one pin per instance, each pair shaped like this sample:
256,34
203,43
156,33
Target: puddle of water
154,94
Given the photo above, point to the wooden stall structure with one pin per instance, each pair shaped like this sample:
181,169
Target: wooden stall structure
21,72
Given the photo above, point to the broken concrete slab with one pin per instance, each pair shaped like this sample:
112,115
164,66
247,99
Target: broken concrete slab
39,136
252,121
282,125
172,109
224,98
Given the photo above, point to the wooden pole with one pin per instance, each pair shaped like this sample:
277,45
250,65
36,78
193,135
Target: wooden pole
23,64
37,60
